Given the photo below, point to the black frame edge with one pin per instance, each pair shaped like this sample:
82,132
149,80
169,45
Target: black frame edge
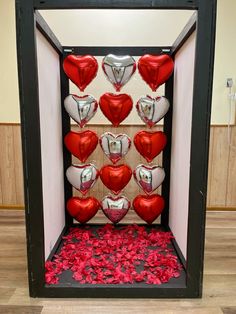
47,32
178,251
187,31
30,133
57,244
66,127
203,78
166,163
118,4
108,292
118,50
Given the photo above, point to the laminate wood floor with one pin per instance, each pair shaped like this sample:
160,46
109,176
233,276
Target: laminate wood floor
219,294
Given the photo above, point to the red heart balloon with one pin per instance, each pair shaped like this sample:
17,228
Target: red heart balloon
115,178
83,209
81,144
155,70
148,207
150,144
81,70
116,107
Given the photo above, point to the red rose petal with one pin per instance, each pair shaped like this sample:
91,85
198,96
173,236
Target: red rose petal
111,256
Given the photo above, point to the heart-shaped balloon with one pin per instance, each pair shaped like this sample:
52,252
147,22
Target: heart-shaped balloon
115,146
116,107
155,70
81,108
82,209
118,69
115,208
152,110
148,207
81,144
82,177
150,144
81,70
149,178
115,178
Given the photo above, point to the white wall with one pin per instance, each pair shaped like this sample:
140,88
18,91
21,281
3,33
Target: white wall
141,32
225,65
9,94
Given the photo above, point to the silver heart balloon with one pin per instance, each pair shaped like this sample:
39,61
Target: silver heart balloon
149,178
118,69
82,177
81,108
152,110
115,208
115,146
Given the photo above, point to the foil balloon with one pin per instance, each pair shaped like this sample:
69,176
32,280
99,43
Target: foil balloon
115,178
115,208
155,70
115,146
118,69
152,110
116,107
81,108
81,70
82,209
81,144
150,144
148,207
82,177
149,178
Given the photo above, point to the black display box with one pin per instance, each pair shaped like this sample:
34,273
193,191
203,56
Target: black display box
193,52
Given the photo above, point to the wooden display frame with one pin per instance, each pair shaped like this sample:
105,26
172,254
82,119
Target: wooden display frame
28,20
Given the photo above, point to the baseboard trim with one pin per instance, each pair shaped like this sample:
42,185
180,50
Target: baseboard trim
221,208
209,208
12,207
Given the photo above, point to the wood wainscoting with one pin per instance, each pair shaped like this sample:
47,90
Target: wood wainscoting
221,179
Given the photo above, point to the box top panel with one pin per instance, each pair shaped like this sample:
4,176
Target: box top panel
121,28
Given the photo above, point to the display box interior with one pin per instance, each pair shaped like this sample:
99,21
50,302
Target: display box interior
117,217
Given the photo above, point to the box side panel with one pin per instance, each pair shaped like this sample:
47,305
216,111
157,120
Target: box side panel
181,141
51,141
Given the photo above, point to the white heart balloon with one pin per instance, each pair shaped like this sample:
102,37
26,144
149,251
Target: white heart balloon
149,178
82,177
115,146
118,69
81,108
115,208
152,110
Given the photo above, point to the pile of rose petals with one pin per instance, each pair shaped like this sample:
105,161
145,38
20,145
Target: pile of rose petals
111,255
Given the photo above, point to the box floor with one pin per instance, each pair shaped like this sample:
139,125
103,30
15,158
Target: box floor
66,279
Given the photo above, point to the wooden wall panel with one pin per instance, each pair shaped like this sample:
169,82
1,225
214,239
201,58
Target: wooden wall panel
219,167
18,165
221,178
1,180
7,166
210,166
231,180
